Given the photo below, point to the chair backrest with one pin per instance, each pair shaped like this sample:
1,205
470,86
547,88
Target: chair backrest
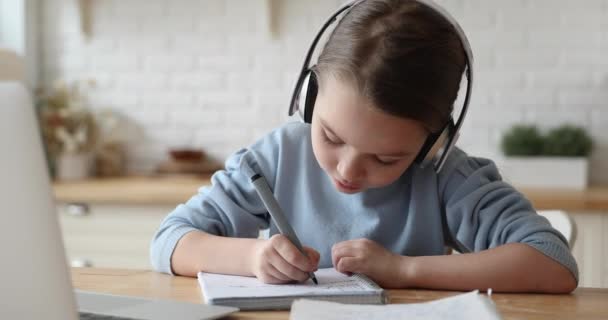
561,221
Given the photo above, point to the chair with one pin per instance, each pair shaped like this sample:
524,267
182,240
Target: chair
561,221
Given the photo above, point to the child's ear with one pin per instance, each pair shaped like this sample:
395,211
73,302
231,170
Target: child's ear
311,96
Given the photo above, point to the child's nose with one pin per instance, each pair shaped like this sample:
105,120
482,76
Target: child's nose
351,169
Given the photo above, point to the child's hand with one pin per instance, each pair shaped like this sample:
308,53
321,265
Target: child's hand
369,258
277,260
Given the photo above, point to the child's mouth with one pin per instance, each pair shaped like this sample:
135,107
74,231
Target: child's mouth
346,187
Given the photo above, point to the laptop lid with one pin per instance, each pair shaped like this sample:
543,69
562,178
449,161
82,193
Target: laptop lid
34,278
35,283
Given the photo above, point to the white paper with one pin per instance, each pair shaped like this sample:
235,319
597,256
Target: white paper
331,282
461,307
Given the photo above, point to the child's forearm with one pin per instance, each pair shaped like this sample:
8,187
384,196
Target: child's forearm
199,251
508,268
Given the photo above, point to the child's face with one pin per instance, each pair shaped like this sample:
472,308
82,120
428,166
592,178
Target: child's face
360,146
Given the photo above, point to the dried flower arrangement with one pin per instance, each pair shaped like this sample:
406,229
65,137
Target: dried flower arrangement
67,126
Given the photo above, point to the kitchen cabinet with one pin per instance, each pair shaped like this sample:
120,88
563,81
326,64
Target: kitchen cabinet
110,222
591,247
106,235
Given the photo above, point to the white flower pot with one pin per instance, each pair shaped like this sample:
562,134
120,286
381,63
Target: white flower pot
545,172
73,166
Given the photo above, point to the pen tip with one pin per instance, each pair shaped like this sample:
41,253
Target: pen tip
314,279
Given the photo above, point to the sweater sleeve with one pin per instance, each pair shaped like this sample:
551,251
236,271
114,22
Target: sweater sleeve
484,212
229,207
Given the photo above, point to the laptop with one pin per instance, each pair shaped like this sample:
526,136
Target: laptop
34,276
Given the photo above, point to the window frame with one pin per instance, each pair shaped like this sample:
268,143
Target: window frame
19,31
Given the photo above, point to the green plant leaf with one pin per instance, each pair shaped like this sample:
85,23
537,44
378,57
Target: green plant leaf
567,141
522,140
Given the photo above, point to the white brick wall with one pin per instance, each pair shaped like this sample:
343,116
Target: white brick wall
207,73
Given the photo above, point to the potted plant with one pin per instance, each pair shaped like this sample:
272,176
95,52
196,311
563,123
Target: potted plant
69,131
558,159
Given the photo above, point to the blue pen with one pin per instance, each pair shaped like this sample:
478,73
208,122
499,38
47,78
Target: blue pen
275,211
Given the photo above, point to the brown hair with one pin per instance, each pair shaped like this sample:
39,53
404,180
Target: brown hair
403,56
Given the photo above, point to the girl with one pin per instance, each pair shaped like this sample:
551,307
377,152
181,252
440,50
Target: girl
351,185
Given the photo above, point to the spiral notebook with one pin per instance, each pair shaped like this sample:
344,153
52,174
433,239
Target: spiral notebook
248,293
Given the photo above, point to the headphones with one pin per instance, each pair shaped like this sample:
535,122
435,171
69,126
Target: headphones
437,146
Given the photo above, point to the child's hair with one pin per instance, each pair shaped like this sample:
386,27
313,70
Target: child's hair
403,56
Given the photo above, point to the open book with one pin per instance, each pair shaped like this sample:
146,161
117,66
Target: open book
248,293
460,307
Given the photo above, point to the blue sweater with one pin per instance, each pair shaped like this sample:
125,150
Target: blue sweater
405,217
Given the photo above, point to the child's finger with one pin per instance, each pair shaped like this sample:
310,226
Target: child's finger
347,265
287,269
334,256
276,274
342,250
292,255
313,255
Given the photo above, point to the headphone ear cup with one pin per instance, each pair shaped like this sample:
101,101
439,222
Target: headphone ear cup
435,146
311,96
422,159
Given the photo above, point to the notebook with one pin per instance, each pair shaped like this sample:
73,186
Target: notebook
460,307
248,293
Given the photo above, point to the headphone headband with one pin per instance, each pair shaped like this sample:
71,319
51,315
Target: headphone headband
452,129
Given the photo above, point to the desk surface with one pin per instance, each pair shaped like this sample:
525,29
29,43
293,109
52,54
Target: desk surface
584,303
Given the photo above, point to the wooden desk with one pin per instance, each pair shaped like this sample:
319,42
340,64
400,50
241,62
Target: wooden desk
584,303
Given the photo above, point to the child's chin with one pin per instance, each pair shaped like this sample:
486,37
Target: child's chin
349,191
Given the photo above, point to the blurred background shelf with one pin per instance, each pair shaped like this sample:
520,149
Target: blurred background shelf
175,189
590,199
131,190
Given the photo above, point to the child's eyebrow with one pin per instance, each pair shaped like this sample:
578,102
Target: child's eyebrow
401,154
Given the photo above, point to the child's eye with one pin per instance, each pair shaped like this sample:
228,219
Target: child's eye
386,162
328,140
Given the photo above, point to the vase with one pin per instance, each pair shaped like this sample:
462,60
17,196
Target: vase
73,166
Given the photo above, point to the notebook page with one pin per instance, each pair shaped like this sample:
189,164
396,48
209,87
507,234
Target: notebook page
331,282
461,307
